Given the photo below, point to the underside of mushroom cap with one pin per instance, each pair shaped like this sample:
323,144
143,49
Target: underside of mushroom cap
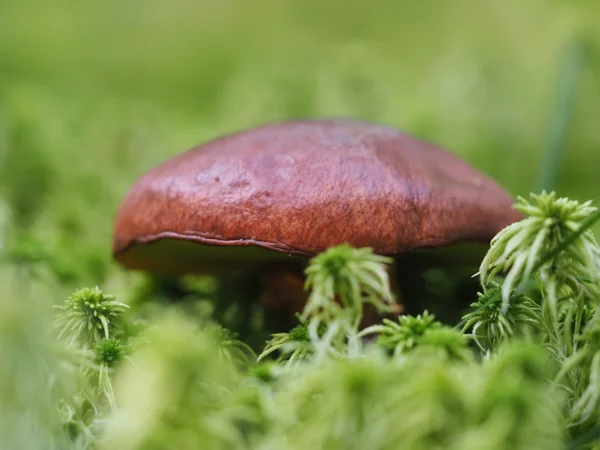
299,187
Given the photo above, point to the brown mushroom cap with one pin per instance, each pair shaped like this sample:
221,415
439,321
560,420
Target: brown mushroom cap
299,187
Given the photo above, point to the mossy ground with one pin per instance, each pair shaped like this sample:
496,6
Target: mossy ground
94,94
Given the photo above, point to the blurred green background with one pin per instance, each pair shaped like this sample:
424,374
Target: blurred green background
92,94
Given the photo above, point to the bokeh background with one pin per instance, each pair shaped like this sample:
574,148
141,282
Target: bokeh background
92,94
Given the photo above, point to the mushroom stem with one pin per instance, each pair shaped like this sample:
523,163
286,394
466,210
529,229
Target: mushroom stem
284,293
284,288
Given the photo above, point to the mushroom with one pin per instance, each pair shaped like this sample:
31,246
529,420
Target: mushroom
270,197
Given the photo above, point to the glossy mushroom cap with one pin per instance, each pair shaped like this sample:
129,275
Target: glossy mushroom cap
299,187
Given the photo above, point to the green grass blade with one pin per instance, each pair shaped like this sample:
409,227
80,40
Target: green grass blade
561,115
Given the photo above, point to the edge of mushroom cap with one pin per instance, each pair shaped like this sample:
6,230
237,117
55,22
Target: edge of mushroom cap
121,247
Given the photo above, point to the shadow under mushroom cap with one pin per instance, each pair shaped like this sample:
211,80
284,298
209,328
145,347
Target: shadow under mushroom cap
299,187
